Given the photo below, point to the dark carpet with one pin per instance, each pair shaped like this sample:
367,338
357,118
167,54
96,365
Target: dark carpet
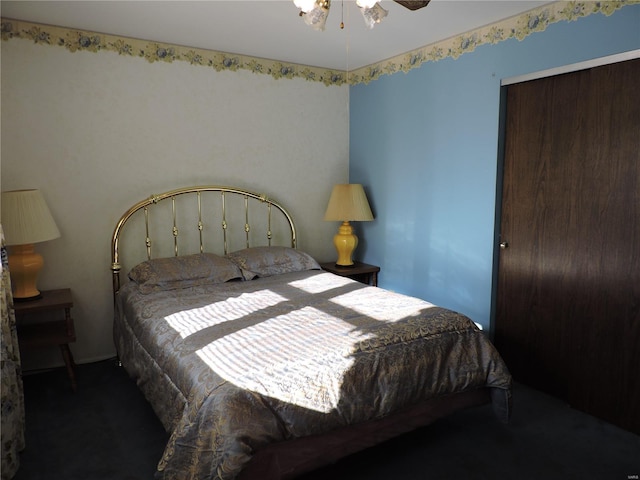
107,431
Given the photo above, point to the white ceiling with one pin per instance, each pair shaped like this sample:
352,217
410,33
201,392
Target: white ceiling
272,28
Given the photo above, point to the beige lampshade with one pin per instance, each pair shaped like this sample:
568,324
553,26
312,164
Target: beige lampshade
26,218
348,202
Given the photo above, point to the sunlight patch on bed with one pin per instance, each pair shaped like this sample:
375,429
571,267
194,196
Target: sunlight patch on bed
189,322
301,358
390,308
319,284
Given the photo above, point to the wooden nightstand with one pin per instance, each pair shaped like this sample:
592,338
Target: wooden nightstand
361,272
48,333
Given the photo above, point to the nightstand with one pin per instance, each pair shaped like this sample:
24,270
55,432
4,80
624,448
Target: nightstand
59,332
361,272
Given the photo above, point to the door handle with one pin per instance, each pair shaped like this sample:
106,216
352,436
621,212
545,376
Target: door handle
504,245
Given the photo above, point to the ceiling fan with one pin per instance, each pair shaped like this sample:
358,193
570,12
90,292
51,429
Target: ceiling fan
315,12
412,5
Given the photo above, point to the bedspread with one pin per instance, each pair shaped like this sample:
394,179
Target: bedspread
256,362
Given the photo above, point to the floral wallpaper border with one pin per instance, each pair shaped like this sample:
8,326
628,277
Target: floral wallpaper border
518,27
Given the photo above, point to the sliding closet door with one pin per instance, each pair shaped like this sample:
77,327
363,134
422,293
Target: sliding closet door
568,300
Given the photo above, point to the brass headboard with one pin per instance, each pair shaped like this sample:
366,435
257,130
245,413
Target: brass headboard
202,223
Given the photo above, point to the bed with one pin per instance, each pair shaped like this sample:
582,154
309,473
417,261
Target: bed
259,364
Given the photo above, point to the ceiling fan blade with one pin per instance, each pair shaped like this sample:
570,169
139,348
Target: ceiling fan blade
412,5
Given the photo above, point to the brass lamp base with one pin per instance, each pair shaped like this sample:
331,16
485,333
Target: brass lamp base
345,242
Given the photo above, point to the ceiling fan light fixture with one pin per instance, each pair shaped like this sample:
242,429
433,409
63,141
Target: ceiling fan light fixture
315,12
305,5
316,18
373,15
366,3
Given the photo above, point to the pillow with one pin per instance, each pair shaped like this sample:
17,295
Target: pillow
267,261
186,271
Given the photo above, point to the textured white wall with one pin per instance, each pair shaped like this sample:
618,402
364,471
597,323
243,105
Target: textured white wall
96,132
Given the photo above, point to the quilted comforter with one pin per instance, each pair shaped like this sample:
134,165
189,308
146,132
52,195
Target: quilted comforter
230,368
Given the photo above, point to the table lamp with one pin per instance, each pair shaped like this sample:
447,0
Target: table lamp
26,220
348,202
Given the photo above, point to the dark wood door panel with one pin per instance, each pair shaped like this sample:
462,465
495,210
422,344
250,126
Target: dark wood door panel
536,227
568,303
611,346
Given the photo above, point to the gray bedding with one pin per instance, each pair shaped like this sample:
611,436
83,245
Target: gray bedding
232,367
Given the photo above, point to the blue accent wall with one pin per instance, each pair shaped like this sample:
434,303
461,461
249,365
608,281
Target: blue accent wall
425,146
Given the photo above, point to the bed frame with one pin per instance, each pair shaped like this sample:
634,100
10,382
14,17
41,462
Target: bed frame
289,458
204,223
